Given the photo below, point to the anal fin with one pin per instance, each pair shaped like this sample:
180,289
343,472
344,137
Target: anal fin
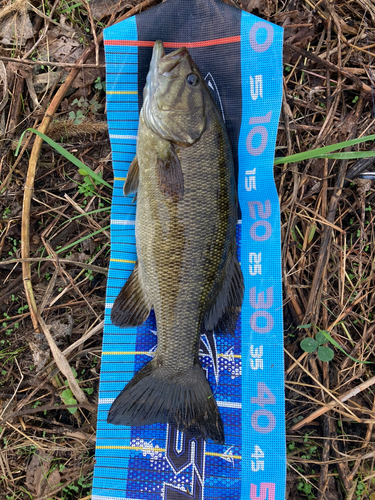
131,307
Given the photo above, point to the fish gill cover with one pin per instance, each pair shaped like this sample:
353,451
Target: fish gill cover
240,58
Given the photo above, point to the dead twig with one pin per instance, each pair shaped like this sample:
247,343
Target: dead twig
62,363
349,394
324,252
332,67
96,269
53,64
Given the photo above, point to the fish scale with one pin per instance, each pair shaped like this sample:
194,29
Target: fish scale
166,252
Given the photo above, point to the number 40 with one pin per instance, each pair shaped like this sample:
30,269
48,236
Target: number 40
264,397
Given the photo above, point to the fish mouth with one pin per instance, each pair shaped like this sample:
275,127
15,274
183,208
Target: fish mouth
166,63
157,53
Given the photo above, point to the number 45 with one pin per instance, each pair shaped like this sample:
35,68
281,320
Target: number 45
258,464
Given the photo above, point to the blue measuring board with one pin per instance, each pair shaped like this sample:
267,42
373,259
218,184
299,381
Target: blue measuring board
240,57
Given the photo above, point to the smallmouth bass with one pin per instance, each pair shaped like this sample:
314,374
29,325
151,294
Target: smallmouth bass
187,269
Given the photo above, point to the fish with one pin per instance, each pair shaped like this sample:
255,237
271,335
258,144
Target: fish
187,269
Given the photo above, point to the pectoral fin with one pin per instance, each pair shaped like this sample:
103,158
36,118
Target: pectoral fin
171,179
132,179
223,314
131,308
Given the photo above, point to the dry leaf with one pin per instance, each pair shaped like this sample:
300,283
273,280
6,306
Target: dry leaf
363,185
89,75
62,363
32,93
4,99
4,83
38,481
16,6
41,348
61,330
16,29
67,49
102,8
41,356
44,81
331,490
345,125
60,47
20,69
250,5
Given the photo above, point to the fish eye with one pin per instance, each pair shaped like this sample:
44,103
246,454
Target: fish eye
192,79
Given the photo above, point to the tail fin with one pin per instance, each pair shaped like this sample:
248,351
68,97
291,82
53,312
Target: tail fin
156,394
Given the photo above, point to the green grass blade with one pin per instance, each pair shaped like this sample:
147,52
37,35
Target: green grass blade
66,154
315,153
349,155
105,209
333,341
82,239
